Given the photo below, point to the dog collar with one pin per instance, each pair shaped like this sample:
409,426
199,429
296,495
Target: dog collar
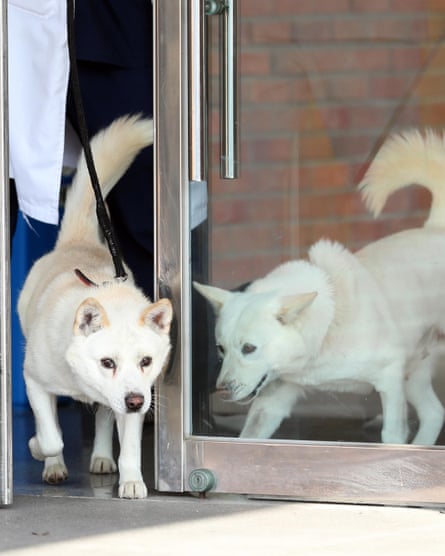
88,282
84,279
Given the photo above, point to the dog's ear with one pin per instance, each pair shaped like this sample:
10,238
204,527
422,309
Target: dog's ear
90,317
215,296
293,305
158,316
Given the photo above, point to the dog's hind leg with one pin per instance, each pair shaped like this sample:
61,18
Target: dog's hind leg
47,444
270,407
420,393
102,460
131,484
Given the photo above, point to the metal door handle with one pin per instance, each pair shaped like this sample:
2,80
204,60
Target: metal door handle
197,92
229,91
228,12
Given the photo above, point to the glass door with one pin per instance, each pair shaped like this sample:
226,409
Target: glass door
254,401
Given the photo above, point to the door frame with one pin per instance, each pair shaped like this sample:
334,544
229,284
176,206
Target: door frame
6,494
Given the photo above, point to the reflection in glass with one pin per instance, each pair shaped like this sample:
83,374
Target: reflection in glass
320,93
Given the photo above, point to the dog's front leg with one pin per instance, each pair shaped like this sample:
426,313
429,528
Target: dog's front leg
391,388
420,393
269,408
47,444
102,460
131,484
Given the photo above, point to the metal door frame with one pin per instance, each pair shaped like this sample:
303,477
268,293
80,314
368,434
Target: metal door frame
5,277
171,167
315,471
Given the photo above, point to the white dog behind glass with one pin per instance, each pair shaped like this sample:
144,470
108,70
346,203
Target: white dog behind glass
347,322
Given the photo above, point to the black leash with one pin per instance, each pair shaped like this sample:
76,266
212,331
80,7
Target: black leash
101,211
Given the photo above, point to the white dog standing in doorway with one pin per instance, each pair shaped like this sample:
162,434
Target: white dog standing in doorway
347,322
89,336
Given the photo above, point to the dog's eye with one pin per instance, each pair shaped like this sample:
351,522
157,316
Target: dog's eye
220,350
145,361
108,363
248,348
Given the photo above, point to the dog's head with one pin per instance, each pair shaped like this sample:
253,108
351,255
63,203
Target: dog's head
117,352
258,338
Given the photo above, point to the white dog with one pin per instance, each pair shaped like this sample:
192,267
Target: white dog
89,336
347,322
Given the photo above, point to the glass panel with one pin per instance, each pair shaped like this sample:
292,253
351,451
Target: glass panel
323,84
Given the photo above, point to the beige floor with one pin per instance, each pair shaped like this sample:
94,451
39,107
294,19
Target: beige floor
223,526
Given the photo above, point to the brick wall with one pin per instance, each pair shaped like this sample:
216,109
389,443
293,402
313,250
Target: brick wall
322,80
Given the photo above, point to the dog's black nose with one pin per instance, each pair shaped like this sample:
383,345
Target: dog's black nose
133,401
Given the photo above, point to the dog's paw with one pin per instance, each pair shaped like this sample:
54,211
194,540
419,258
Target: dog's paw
133,489
55,473
102,465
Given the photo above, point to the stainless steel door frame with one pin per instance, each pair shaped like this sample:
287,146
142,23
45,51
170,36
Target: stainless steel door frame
316,471
171,180
5,281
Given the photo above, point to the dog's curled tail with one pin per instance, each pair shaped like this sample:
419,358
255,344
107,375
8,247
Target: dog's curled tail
409,158
114,149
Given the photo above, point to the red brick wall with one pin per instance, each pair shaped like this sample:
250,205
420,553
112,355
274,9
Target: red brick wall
321,81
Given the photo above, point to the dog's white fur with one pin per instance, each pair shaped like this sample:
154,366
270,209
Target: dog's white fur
104,344
348,322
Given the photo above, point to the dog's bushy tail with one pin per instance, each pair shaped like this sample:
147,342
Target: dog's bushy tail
114,149
409,158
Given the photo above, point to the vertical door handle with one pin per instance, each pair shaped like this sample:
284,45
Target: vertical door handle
197,92
227,10
229,91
